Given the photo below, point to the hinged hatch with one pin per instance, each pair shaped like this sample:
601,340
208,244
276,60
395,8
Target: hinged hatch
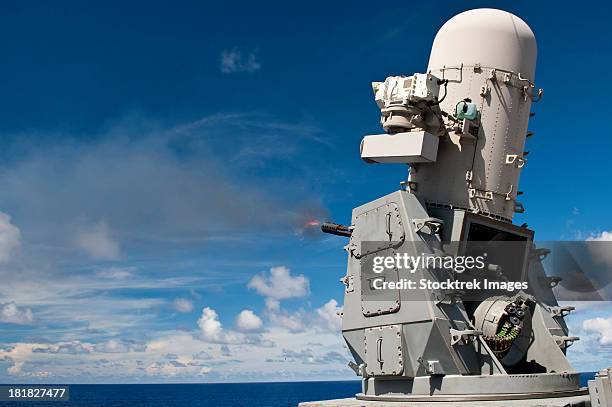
383,350
377,229
376,299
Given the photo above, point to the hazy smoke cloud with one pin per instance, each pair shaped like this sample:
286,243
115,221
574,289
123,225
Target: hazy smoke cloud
134,182
97,242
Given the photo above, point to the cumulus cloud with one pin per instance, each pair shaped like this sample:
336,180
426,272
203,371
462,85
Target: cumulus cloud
280,284
210,325
212,331
235,60
98,243
329,316
15,369
604,236
602,327
182,305
323,319
10,237
17,354
248,321
293,322
149,194
11,313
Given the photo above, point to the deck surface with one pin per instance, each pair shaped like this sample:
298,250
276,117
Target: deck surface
574,401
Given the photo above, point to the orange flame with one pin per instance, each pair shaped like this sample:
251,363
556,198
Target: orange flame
312,223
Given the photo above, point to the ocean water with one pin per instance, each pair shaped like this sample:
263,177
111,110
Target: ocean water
191,395
213,395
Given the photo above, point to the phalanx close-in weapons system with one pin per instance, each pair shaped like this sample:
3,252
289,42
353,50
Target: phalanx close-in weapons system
423,326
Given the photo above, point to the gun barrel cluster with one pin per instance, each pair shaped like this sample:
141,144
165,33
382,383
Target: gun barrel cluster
336,229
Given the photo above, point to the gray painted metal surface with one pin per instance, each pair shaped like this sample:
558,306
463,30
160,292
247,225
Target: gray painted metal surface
489,57
600,389
436,345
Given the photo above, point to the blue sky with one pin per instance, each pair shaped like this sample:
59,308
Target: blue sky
157,157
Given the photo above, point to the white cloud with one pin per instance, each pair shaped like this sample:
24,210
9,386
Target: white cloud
601,327
190,192
181,356
98,243
182,305
235,60
604,236
202,355
295,322
9,238
15,369
178,367
212,331
17,354
328,314
66,348
280,284
119,346
272,304
13,314
248,321
164,368
323,319
210,325
90,303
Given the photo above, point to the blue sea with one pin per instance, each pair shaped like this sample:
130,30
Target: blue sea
191,395
213,395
